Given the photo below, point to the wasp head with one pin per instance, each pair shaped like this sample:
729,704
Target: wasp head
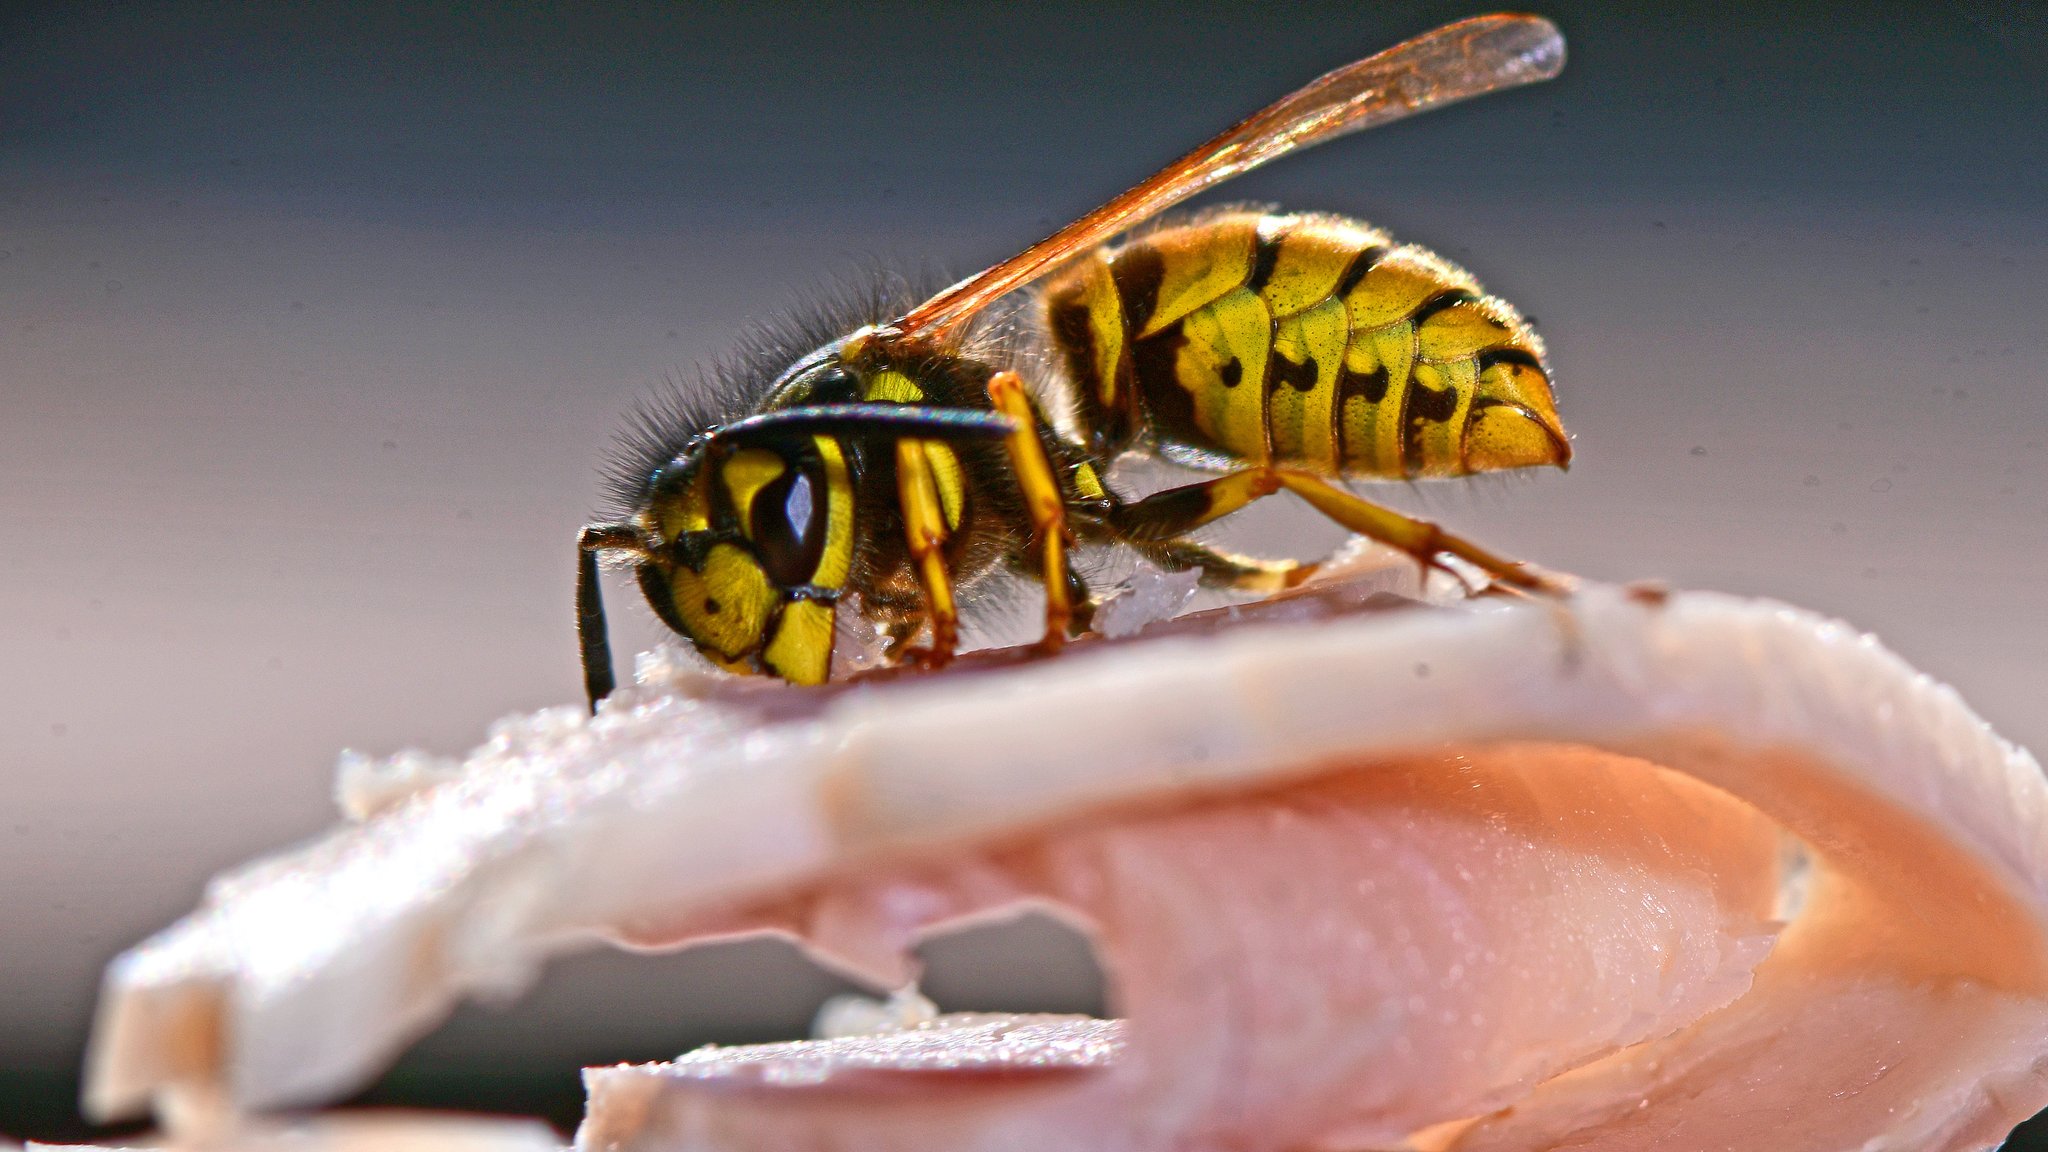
736,556
735,548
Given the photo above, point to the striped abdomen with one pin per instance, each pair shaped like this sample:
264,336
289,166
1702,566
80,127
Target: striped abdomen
1308,341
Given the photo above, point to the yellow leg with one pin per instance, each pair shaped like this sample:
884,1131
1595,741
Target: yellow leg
1157,526
1227,569
1050,536
924,527
1419,538
1164,516
1178,511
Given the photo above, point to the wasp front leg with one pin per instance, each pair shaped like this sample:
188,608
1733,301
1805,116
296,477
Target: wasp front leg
925,531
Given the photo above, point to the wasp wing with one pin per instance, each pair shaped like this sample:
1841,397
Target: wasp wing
1455,62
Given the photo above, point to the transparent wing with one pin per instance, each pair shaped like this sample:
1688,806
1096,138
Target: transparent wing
1455,62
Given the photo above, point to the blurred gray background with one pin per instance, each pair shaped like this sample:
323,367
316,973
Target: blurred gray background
314,325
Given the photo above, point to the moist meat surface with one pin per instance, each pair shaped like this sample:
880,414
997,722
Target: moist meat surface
1341,961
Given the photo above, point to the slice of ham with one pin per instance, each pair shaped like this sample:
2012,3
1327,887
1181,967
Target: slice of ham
1338,962
1900,1008
1202,801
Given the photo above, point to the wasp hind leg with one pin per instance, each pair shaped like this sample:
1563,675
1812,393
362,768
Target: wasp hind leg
1418,538
1226,569
1160,518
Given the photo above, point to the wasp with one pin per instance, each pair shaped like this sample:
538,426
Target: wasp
892,462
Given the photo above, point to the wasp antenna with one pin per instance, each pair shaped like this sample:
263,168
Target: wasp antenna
591,634
881,421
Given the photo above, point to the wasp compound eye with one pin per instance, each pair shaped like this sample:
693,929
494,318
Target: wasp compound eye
788,527
776,503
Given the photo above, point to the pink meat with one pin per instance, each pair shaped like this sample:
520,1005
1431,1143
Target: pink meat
1334,964
1902,1008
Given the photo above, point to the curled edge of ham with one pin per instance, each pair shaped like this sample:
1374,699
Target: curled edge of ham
1925,931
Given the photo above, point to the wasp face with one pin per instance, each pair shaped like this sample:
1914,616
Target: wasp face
747,550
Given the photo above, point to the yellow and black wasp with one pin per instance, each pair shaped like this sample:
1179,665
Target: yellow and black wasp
906,456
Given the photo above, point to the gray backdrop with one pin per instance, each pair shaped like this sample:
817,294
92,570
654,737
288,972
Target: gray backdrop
313,326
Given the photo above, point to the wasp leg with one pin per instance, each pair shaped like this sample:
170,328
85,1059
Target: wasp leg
1165,515
924,529
1175,512
1050,536
1156,528
1419,538
1226,569
897,639
591,635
